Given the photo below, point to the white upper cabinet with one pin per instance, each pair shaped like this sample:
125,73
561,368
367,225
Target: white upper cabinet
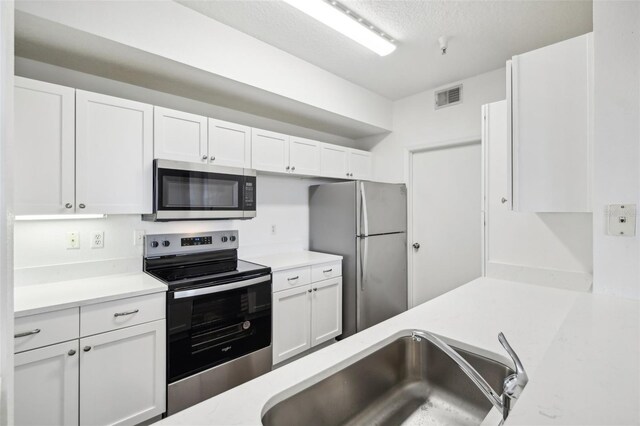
229,144
359,164
334,161
44,143
304,156
179,135
269,151
551,107
114,154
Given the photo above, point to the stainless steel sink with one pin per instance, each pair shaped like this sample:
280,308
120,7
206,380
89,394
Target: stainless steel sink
404,382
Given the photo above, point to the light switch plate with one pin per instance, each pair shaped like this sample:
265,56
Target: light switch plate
621,220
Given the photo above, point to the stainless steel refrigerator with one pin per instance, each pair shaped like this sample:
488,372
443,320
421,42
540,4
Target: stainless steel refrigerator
366,222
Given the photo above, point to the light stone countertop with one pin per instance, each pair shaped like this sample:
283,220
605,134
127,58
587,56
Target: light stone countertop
580,351
38,298
297,259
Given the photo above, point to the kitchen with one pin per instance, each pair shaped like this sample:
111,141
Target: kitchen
488,204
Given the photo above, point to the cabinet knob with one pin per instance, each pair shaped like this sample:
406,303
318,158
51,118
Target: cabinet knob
213,158
347,174
315,289
68,205
309,291
503,200
204,157
82,206
293,168
287,168
72,352
86,348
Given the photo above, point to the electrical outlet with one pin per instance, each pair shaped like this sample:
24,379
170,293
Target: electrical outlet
73,240
273,230
138,237
97,239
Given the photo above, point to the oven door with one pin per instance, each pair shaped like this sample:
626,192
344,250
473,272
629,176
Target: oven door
200,191
208,326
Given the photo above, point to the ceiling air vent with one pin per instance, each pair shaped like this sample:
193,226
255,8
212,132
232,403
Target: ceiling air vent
448,97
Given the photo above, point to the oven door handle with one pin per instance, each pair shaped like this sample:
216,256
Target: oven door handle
220,288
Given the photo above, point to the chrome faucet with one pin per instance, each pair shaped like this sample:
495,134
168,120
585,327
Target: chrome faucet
511,387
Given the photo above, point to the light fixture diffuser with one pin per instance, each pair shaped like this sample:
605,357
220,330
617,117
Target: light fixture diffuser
343,20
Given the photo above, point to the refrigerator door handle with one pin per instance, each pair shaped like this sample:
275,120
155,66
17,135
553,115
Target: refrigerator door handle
364,234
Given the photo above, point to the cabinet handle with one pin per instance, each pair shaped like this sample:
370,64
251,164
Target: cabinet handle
122,314
204,157
326,271
309,291
293,168
293,278
315,289
68,205
347,174
26,333
82,206
503,200
287,168
72,352
213,158
86,348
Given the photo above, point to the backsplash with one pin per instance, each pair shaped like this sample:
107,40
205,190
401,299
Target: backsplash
40,246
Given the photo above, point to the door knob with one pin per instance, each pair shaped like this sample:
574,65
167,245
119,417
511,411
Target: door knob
416,246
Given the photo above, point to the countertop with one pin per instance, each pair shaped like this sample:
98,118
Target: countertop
580,351
39,298
297,259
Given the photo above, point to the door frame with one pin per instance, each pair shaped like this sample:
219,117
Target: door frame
409,151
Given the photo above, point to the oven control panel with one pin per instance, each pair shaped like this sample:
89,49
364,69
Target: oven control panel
170,244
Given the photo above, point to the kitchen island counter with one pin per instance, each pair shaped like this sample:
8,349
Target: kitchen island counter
580,351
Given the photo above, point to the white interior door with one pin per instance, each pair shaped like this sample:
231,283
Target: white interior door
446,212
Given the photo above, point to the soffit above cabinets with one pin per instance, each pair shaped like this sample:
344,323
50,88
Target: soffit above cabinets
482,36
49,41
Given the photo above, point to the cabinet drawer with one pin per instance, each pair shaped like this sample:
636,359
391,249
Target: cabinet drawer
291,278
325,271
35,331
121,313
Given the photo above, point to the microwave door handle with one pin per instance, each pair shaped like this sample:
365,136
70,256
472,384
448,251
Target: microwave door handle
220,288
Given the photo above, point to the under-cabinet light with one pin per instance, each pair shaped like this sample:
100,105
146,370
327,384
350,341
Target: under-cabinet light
345,21
59,216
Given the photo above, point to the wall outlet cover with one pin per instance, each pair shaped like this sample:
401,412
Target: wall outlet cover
138,237
621,220
73,240
97,239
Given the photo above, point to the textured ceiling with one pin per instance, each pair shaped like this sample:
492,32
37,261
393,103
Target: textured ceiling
483,35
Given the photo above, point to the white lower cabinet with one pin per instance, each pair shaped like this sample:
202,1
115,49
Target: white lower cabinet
46,385
106,375
122,375
305,316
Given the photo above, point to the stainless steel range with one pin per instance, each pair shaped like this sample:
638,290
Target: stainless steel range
218,314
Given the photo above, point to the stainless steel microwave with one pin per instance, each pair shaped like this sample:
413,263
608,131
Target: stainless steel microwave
192,191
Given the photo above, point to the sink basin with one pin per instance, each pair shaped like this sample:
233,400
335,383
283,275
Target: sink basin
404,382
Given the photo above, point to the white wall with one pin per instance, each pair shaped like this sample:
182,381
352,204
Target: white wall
416,122
616,26
6,212
40,246
79,80
172,31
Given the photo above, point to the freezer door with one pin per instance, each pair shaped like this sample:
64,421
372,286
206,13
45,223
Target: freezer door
382,208
382,278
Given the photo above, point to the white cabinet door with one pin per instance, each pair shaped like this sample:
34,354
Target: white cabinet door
334,161
291,325
269,151
122,375
326,310
359,164
229,144
46,385
551,102
44,166
179,135
114,154
304,156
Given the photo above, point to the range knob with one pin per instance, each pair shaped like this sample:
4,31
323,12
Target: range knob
224,239
232,238
166,243
154,244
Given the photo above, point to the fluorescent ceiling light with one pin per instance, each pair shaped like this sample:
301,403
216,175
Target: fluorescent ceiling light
59,216
344,21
